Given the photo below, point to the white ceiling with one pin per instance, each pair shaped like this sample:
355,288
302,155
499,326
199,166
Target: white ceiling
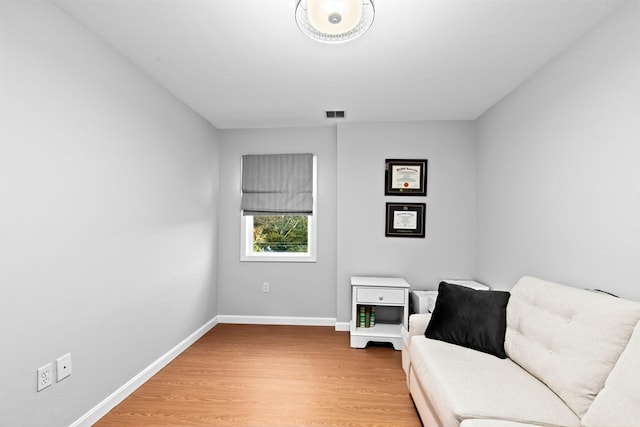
244,63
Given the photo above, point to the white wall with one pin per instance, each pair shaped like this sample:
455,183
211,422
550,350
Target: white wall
559,168
448,250
108,217
296,289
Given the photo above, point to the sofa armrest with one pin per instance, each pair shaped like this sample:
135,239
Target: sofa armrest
418,324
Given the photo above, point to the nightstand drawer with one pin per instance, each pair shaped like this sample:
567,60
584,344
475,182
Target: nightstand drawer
377,296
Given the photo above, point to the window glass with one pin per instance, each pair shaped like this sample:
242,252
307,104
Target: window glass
281,233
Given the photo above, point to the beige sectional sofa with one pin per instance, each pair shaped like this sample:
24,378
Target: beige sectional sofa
573,359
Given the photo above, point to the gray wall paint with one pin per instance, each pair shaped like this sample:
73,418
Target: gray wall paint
448,250
107,230
297,289
559,168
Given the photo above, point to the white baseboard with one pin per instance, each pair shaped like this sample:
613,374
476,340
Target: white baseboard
130,386
277,320
343,326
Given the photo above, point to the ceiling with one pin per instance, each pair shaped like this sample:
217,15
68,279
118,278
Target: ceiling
245,64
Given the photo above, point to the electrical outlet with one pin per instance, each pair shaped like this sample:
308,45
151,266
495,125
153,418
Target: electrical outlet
63,366
44,376
265,287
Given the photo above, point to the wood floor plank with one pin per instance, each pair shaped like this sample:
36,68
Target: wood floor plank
280,376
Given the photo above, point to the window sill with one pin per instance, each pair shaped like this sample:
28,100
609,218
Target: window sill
277,258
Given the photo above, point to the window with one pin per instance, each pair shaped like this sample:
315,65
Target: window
279,213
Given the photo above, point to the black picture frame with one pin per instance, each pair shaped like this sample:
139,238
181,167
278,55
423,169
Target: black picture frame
405,177
405,219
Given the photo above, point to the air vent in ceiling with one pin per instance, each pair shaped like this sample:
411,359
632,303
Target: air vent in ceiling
335,114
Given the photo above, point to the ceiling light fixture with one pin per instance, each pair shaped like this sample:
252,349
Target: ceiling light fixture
334,21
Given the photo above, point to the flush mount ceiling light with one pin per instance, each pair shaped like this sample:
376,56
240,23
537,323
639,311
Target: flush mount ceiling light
334,21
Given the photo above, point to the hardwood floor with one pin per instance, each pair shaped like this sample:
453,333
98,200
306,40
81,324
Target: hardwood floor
262,376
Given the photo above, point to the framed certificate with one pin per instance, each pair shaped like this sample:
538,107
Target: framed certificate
405,220
405,177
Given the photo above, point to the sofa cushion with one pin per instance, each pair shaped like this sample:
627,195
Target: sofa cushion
618,404
470,318
568,338
464,384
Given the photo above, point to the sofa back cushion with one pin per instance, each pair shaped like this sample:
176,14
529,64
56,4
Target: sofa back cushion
618,404
568,338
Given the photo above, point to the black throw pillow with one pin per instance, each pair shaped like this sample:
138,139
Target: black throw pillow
470,318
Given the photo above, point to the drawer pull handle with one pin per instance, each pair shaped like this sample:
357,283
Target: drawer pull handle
380,297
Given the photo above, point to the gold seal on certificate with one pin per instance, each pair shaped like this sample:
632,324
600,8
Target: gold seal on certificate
406,177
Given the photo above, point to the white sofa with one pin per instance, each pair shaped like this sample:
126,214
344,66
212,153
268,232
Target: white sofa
573,359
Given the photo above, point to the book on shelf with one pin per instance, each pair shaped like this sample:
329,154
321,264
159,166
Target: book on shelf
366,316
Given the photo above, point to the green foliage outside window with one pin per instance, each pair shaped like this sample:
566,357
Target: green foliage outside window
280,233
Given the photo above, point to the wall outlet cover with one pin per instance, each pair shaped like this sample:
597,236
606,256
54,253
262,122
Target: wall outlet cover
63,365
45,374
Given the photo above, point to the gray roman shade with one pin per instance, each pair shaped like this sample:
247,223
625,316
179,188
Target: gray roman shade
277,184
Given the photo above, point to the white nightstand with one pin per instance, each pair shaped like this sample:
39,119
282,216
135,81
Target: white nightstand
390,297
